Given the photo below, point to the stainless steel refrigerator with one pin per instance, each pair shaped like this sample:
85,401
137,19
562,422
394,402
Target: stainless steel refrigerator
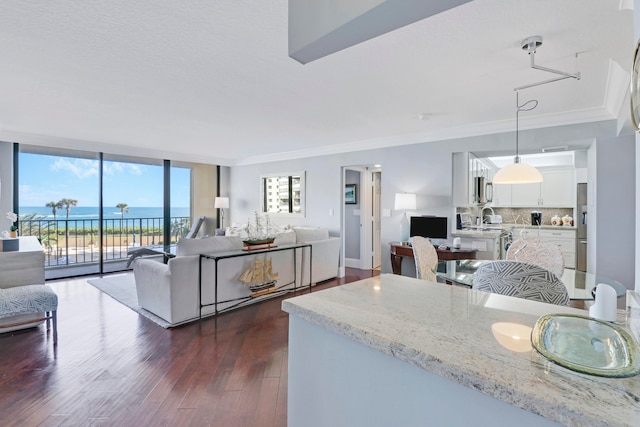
581,221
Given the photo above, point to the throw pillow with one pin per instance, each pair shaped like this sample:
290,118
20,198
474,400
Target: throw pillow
287,237
235,230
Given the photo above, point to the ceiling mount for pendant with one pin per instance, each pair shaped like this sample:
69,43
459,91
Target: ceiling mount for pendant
530,44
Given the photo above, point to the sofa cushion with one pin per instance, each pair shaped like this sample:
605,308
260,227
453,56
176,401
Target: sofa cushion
310,234
287,237
208,245
236,230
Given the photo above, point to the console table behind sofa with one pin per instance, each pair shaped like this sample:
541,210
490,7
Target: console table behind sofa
239,301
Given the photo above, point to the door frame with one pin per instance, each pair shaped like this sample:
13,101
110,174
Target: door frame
367,217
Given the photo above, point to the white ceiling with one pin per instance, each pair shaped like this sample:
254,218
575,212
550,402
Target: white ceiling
211,81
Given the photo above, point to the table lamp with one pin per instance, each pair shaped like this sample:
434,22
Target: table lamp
221,203
405,202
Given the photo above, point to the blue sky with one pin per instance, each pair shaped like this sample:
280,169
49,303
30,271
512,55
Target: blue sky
46,179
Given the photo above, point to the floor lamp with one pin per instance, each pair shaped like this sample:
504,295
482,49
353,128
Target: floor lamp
221,203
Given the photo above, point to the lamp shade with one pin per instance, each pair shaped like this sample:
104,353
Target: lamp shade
517,173
405,201
221,203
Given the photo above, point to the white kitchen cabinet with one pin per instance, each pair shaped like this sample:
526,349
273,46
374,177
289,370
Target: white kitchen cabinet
558,190
565,239
461,179
502,195
487,248
525,195
467,170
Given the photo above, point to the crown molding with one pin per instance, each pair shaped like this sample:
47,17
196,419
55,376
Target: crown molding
537,122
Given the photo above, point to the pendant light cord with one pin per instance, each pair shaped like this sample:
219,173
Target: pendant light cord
519,108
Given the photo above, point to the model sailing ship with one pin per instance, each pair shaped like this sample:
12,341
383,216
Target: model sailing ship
260,277
260,234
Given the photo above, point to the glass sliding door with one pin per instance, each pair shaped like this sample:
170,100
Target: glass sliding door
58,202
132,207
90,210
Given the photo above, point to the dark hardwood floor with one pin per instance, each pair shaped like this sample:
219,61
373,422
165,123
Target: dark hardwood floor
113,367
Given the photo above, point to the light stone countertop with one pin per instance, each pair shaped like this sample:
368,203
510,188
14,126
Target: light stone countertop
493,231
447,330
477,234
543,226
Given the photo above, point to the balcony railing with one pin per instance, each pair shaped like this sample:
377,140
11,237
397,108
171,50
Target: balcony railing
73,242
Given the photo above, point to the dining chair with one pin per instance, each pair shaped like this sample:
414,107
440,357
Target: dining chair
521,280
537,251
426,258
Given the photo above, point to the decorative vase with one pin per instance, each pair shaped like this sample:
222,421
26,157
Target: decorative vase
13,234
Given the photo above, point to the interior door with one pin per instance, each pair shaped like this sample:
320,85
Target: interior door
376,241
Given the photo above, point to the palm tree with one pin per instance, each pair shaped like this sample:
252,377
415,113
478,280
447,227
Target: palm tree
68,203
54,209
124,208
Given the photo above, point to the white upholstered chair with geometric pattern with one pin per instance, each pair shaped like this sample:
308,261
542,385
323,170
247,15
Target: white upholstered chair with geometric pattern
536,251
521,280
426,258
19,305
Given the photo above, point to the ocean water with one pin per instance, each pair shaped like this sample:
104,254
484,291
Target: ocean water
88,212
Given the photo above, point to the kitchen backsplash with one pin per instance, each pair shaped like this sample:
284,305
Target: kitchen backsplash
520,215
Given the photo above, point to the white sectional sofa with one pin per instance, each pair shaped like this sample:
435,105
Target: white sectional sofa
171,290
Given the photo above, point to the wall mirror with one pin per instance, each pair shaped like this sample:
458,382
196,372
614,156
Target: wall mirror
283,193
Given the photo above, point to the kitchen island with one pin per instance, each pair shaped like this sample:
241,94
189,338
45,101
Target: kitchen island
393,350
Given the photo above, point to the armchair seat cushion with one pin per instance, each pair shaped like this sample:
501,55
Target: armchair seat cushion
26,300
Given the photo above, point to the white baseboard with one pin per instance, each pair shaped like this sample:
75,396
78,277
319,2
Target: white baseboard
352,263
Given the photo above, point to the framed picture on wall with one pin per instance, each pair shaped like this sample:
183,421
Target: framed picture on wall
351,194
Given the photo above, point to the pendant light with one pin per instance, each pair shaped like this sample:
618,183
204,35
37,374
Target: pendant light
519,173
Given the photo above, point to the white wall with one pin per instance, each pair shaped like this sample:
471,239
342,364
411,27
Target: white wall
615,199
592,203
636,36
6,183
424,169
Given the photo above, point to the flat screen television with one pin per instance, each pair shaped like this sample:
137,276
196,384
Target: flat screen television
433,227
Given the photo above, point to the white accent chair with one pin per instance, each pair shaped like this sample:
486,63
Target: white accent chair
426,258
537,251
520,280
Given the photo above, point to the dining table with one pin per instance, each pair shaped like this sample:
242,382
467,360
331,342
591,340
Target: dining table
580,285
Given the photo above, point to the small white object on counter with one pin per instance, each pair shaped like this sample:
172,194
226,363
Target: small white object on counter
605,305
457,243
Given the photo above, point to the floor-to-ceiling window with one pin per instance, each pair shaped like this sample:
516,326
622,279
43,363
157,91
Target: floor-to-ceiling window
58,203
61,192
132,206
